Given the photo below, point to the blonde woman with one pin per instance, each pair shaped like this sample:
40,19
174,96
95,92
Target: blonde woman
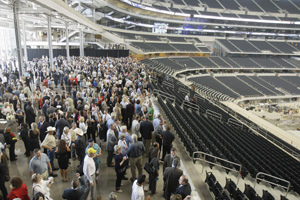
82,125
42,186
34,134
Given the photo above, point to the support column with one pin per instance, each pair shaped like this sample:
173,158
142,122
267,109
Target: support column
24,42
81,50
67,42
49,37
18,37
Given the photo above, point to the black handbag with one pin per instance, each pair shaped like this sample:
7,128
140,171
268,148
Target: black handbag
149,168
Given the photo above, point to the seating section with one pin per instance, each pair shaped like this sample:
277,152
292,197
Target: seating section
198,132
245,62
259,87
250,5
169,62
244,45
229,45
214,84
267,6
205,62
186,62
185,47
284,47
237,46
161,47
280,83
239,86
250,85
287,5
234,62
294,80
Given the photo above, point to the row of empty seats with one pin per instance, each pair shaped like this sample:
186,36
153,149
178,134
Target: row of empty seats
163,47
230,62
237,46
241,85
131,36
199,132
291,6
231,191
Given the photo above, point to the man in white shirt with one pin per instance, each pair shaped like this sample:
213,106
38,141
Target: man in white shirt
138,189
89,170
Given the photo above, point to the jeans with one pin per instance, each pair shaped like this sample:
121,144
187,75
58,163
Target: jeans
51,156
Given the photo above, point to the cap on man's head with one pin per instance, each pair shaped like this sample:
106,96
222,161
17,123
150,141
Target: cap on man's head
91,140
91,150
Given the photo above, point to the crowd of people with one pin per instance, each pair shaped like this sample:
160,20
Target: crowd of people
81,109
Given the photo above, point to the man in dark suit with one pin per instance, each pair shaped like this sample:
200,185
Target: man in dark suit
171,177
146,129
77,190
45,108
42,126
30,115
60,125
184,188
129,114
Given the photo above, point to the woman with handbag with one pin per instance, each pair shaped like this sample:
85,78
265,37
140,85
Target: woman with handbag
121,163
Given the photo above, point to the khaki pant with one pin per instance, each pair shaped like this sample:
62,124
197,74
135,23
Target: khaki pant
136,163
147,146
45,175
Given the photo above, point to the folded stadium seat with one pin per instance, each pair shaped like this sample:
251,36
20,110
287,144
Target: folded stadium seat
210,180
249,192
230,186
217,190
267,195
238,195
244,172
283,198
224,196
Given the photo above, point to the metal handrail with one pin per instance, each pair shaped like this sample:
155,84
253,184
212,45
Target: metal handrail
183,90
270,182
203,154
214,114
234,122
168,84
190,105
164,94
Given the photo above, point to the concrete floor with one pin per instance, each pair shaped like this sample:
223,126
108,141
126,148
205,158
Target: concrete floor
107,177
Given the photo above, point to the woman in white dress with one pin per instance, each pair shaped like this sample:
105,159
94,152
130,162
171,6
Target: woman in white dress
42,186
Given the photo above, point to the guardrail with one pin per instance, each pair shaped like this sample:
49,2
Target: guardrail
191,105
164,94
234,122
201,156
165,83
270,182
214,114
184,90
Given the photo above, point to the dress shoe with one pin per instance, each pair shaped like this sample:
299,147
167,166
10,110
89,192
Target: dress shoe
125,178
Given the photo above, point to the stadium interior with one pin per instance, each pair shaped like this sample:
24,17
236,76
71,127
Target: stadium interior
240,60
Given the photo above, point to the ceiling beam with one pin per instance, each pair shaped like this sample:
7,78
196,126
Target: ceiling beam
62,8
